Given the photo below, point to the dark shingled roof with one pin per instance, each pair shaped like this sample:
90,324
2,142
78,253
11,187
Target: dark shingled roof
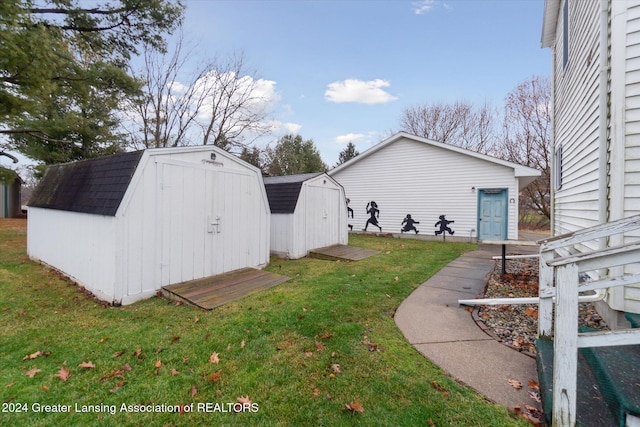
283,191
94,186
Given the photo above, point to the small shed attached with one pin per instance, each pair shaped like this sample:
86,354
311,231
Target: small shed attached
10,188
308,211
125,225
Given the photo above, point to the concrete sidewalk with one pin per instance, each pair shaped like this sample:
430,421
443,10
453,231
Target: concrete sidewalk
445,333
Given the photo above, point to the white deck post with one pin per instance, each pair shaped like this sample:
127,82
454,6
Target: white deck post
565,348
545,284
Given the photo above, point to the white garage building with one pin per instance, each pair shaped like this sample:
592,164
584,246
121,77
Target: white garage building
467,194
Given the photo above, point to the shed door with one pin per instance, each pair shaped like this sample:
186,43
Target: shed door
323,211
492,221
190,236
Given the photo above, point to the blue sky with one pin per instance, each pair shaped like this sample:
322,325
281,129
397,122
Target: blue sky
343,70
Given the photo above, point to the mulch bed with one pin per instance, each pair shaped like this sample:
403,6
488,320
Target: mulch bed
517,325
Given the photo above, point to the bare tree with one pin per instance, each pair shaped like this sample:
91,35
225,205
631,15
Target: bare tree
527,138
235,104
166,112
461,124
220,103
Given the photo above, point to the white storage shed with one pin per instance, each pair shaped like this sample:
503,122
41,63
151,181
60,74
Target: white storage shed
409,184
308,211
125,225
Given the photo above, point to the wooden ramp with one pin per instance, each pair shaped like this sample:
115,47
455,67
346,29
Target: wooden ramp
341,252
210,292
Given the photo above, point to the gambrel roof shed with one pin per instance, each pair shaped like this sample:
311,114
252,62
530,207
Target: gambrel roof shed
308,211
407,180
125,225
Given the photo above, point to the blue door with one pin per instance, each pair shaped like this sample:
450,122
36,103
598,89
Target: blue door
492,218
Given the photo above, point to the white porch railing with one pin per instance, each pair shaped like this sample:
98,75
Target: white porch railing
560,267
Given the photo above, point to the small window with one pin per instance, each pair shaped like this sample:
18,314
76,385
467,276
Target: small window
565,34
557,167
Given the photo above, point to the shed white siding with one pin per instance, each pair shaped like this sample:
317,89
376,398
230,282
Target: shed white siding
318,220
182,217
426,179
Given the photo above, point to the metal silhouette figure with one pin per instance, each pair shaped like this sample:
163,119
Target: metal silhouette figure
374,214
444,226
408,223
349,211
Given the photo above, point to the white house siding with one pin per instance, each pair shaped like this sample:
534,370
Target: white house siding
631,92
425,181
576,118
80,245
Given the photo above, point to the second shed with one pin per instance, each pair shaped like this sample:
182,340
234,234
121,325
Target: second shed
308,211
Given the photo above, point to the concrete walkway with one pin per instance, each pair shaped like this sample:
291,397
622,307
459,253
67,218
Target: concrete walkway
444,332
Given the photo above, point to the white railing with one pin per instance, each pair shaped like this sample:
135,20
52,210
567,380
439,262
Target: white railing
559,282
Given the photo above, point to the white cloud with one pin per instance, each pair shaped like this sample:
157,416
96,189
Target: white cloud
350,137
364,92
423,6
279,127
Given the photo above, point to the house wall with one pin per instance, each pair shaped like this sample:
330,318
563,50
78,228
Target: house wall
576,118
426,181
590,120
82,246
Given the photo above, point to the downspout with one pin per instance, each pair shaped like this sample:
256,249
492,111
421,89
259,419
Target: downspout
603,129
603,125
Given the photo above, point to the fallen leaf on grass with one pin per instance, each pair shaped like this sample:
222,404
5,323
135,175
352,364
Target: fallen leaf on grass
320,346
244,400
515,384
214,358
242,344
45,387
175,339
32,372
36,354
118,386
9,385
194,391
158,363
438,386
63,374
336,368
103,339
316,392
174,372
354,407
215,376
118,353
87,365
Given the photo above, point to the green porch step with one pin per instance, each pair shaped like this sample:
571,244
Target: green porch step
634,319
617,370
592,410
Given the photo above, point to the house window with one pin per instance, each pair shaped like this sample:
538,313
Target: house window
557,167
565,34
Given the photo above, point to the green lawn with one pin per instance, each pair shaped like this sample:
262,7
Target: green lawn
299,352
